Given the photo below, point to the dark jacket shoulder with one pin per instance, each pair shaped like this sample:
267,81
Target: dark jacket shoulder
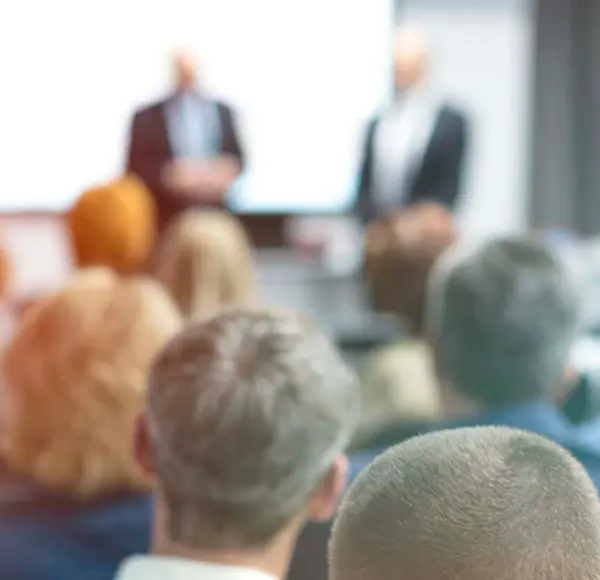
453,115
149,110
157,106
448,114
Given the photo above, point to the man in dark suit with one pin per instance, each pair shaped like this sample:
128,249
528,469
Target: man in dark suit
186,149
502,317
415,151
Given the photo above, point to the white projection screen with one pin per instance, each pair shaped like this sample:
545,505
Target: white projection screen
304,76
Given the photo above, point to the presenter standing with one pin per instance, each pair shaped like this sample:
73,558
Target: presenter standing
186,148
414,152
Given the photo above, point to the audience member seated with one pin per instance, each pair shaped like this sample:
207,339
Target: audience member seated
205,261
502,318
113,225
247,418
400,395
469,504
401,391
73,502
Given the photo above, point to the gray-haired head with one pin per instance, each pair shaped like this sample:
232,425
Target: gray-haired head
469,504
247,413
503,316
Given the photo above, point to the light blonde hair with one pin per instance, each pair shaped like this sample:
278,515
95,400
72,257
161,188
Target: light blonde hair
399,389
75,377
205,261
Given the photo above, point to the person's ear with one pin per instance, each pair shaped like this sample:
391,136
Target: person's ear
325,500
570,381
141,446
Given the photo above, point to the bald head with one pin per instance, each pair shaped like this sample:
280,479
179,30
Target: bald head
411,51
185,69
469,504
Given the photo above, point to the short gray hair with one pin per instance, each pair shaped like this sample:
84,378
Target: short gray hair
504,315
247,412
469,504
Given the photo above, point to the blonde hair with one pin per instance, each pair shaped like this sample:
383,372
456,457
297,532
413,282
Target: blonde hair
113,225
400,387
205,261
75,377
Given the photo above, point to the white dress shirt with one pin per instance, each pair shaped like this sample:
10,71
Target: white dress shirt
163,568
401,139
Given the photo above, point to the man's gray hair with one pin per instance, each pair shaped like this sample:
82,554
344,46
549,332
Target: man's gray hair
469,504
247,412
504,315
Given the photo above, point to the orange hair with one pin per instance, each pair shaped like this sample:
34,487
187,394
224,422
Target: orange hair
114,225
75,375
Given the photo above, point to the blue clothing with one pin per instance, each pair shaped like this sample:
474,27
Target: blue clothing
193,126
47,538
583,441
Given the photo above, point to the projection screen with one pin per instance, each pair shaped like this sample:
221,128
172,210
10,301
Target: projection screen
304,77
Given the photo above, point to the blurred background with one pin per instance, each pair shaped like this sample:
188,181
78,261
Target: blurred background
305,78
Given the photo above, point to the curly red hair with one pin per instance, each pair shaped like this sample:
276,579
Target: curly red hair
75,374
113,225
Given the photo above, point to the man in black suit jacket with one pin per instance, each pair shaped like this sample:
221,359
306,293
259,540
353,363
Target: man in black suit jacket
415,151
186,149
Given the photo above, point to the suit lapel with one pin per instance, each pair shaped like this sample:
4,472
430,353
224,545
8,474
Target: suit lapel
161,130
428,153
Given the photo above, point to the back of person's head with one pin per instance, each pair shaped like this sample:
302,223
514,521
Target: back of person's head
113,225
205,260
75,375
248,416
4,273
400,251
503,316
469,504
399,391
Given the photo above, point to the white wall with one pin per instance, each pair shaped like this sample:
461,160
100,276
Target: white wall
483,62
303,76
